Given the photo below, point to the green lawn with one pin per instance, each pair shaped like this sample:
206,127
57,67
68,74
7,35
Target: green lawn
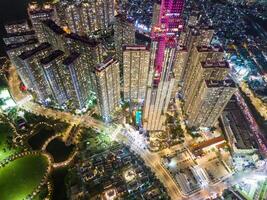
20,177
5,148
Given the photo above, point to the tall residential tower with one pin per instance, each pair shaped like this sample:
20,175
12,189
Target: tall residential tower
135,72
161,80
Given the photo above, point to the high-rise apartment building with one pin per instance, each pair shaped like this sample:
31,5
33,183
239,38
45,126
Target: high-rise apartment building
180,62
159,92
73,17
85,17
18,37
108,87
91,50
161,80
198,54
124,34
14,50
39,13
17,26
135,72
92,54
76,81
54,34
212,99
55,76
36,81
196,67
209,70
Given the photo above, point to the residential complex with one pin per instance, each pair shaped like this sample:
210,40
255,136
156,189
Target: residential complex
134,100
86,17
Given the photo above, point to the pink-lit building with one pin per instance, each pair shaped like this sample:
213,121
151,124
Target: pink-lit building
161,79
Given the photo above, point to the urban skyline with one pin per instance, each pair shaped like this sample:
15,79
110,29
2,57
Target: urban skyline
134,100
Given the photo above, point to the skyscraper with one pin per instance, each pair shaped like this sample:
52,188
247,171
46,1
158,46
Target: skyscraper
180,62
209,70
161,81
36,81
73,17
75,81
18,37
135,72
91,51
198,54
213,97
14,50
108,87
39,13
54,34
54,74
124,34
85,17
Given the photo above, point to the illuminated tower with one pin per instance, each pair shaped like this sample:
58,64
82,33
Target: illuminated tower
166,31
39,13
36,82
86,17
14,50
135,72
124,34
107,78
161,79
211,100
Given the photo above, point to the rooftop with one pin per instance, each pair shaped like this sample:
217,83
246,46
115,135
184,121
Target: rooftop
209,49
40,11
55,54
135,47
105,64
220,83
32,32
22,21
208,143
30,53
212,64
21,44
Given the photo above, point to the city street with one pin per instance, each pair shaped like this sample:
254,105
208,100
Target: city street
130,137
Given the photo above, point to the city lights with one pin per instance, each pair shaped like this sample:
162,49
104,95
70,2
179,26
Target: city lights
133,99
